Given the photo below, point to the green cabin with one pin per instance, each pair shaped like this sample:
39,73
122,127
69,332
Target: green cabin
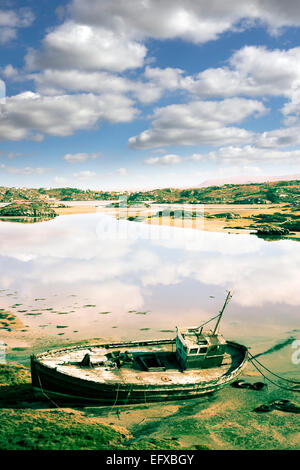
197,348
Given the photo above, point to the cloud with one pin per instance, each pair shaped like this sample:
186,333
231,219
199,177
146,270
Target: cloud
54,82
25,171
121,171
30,115
2,92
283,137
11,20
199,123
80,157
12,155
191,20
252,71
85,174
60,180
80,46
236,157
170,159
249,154
167,78
10,72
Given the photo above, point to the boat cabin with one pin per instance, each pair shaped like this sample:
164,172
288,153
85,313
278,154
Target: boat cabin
196,348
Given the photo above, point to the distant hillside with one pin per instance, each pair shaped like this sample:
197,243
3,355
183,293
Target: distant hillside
247,180
62,194
253,193
27,209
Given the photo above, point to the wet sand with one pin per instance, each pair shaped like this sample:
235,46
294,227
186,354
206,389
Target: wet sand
9,321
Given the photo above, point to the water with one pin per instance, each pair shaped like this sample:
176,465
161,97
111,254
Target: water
89,276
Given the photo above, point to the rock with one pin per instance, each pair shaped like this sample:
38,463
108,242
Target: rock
271,230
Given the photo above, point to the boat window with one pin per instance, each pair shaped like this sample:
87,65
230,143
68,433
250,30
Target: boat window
194,351
203,350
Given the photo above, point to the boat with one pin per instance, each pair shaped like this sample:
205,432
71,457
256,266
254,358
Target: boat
196,362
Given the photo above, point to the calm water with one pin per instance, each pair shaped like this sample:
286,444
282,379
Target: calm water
90,276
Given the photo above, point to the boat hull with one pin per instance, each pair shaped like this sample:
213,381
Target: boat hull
51,384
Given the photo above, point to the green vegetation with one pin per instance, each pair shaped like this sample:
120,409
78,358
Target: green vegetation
62,194
24,428
57,429
287,192
8,321
277,223
224,215
14,385
39,204
256,193
271,230
30,209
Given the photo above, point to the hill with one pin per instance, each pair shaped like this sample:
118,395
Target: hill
252,193
28,209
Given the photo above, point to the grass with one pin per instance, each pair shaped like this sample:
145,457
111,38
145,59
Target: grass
25,428
54,429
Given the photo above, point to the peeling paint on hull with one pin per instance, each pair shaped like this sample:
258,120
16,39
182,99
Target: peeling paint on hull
70,383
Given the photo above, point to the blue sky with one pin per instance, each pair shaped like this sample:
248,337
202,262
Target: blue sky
140,94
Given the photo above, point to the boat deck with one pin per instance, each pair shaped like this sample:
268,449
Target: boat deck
68,362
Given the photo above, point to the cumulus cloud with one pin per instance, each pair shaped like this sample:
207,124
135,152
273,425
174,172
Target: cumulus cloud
85,174
237,157
121,171
10,72
283,137
72,46
54,82
24,171
199,123
2,92
30,115
11,20
60,180
168,77
249,154
170,159
193,20
252,71
80,157
12,155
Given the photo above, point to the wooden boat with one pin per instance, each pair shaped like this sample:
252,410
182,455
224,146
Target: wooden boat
195,363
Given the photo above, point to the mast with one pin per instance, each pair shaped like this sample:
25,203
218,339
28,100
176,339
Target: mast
229,295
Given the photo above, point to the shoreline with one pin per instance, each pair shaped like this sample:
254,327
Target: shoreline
207,221
224,218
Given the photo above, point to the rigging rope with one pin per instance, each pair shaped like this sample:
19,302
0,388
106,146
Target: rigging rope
44,393
275,383
273,373
119,384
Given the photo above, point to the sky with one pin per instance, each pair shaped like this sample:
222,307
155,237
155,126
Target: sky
137,94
